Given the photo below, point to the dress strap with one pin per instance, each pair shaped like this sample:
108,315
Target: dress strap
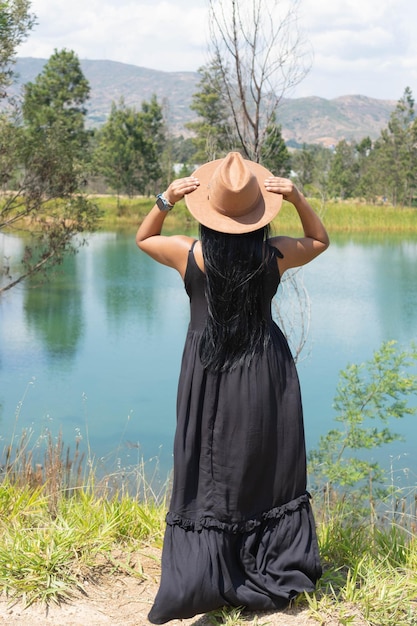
276,252
193,244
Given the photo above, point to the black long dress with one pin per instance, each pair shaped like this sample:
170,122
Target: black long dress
240,530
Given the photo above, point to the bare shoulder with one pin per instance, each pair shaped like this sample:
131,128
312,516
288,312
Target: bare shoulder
280,242
183,240
179,244
169,250
297,251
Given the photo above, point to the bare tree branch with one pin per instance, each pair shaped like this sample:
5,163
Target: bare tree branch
292,311
262,55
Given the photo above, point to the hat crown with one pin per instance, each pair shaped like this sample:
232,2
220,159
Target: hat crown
232,197
233,189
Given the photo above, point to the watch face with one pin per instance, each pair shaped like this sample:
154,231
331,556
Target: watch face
161,204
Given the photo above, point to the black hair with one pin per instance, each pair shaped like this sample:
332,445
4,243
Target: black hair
235,329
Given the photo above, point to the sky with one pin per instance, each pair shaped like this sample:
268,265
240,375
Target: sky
358,47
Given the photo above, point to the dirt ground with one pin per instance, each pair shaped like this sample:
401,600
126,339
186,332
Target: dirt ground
122,599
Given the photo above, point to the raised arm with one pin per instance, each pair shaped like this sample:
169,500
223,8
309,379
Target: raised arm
301,250
171,251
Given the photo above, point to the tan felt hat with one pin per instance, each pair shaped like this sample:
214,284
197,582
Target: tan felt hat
231,197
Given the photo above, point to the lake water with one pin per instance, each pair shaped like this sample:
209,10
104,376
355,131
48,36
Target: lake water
95,352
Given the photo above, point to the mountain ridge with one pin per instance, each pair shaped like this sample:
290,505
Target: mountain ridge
309,119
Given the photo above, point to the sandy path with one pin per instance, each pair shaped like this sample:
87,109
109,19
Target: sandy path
126,600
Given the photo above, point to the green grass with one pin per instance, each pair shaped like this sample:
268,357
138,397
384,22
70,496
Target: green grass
370,570
339,217
351,217
45,557
59,528
130,212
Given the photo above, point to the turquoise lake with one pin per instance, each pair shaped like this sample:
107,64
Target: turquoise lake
95,352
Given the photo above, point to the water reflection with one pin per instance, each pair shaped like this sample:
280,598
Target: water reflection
400,271
53,310
124,282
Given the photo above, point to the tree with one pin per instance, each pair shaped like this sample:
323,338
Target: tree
129,148
153,133
183,150
15,24
275,155
304,165
113,152
259,55
368,185
44,169
367,397
54,115
344,170
311,165
214,134
396,153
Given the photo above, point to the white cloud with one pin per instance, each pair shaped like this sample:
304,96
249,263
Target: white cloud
336,14
360,46
163,35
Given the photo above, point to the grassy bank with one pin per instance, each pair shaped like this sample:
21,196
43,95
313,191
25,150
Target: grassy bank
61,525
60,528
343,217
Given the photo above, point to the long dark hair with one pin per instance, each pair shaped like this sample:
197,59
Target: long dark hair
235,329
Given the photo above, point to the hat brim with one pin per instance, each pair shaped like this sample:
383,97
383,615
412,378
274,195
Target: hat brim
263,213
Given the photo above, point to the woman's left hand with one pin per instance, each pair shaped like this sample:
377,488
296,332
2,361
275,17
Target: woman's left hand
283,186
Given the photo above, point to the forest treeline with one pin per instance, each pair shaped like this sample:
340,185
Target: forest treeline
134,152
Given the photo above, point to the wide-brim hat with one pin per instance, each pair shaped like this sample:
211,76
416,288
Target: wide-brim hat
231,197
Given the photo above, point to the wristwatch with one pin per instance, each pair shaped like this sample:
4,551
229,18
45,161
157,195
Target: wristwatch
162,203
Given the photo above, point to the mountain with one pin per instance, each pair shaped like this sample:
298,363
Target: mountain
317,120
303,120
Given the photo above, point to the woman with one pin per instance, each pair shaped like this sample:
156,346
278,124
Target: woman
240,530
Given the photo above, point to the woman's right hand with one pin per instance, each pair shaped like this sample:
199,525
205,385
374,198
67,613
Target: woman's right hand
180,187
